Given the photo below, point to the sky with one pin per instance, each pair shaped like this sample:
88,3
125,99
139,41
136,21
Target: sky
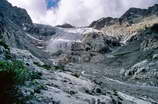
77,12
52,3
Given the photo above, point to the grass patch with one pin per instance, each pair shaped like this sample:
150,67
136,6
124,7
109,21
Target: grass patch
18,71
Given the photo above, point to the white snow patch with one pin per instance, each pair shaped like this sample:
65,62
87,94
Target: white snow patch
64,38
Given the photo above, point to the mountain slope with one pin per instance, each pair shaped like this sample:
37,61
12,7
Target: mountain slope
120,52
113,61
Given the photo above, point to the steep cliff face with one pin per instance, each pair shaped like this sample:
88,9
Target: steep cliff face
16,31
17,15
12,19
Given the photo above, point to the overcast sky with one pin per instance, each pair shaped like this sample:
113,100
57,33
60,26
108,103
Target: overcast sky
77,12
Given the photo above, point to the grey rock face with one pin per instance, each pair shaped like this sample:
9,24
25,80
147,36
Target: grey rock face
145,72
98,42
45,30
138,56
17,15
14,20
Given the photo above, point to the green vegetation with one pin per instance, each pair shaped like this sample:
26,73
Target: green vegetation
11,74
16,71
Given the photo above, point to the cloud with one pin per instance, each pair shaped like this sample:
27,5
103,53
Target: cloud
78,12
37,9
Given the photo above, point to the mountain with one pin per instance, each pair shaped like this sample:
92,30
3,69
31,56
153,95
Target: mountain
111,61
133,15
65,26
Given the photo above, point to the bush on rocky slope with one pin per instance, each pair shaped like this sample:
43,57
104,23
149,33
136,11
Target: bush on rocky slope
16,70
11,74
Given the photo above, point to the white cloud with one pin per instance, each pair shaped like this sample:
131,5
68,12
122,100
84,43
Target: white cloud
36,8
78,12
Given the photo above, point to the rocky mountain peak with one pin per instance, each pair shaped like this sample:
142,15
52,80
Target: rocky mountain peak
130,16
153,9
133,13
66,25
17,15
103,22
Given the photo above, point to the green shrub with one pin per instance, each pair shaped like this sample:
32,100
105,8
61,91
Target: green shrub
16,70
11,74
